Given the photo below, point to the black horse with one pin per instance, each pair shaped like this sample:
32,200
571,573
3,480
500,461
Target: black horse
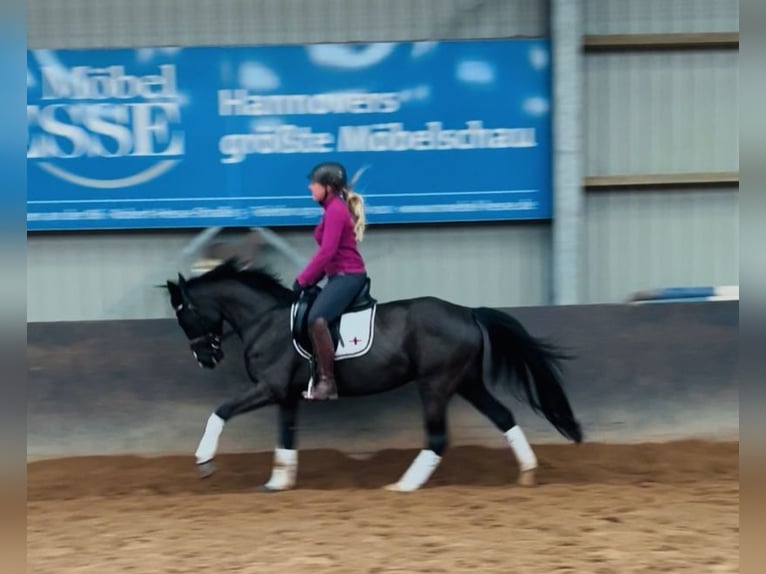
443,348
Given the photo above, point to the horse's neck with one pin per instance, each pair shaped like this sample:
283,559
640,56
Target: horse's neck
242,307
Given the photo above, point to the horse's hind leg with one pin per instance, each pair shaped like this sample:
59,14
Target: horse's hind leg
477,394
421,469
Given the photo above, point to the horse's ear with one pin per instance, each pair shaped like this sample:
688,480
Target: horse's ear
181,280
176,296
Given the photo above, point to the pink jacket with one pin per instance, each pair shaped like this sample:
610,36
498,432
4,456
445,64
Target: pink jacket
337,251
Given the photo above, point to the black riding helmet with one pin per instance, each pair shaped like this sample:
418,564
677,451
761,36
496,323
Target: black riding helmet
329,173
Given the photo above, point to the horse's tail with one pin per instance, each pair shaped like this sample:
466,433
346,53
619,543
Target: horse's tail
510,350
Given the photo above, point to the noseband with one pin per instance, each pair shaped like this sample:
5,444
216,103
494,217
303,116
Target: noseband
205,346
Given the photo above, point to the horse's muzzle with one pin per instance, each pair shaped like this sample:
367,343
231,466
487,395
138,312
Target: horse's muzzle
207,350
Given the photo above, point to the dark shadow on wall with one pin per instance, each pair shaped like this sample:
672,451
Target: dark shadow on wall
644,372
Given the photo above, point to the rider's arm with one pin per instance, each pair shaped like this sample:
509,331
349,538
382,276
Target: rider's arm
333,227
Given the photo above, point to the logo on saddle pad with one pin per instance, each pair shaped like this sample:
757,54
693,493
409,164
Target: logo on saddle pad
352,333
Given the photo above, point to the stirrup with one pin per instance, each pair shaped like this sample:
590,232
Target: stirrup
309,393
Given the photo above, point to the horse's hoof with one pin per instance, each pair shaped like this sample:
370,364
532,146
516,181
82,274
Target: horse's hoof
269,489
395,487
527,478
206,469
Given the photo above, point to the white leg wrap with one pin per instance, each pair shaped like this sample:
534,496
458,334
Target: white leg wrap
524,454
419,471
285,469
209,442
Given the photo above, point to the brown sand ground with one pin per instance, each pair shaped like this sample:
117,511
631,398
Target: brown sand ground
598,508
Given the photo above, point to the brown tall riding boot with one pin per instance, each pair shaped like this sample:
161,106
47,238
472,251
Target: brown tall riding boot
325,355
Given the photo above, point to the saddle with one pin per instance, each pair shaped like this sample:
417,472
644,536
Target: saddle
352,328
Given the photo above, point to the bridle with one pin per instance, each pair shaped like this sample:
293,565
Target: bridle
205,336
205,340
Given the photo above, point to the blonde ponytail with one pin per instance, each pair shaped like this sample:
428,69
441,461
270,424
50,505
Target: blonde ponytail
355,204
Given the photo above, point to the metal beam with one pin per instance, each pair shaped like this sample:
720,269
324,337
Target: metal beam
697,180
161,274
677,41
566,32
281,245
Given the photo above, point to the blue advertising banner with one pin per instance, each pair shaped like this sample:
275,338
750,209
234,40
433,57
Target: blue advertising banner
225,136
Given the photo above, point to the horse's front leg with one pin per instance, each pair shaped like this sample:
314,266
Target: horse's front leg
284,472
259,396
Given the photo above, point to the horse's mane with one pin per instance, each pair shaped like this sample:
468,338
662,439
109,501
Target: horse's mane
259,279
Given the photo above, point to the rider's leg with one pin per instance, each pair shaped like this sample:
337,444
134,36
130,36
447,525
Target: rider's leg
329,305
324,353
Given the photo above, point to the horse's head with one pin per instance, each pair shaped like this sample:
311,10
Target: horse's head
202,322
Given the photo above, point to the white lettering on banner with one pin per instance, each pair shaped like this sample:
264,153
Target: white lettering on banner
73,119
242,103
88,214
285,211
393,137
388,137
86,83
523,205
105,130
229,213
197,212
279,139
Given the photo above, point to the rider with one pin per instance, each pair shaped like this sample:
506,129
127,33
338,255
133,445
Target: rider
337,234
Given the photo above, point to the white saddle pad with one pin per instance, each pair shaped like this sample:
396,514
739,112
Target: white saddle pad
356,333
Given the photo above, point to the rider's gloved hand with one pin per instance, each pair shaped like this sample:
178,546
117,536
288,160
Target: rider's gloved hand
297,288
